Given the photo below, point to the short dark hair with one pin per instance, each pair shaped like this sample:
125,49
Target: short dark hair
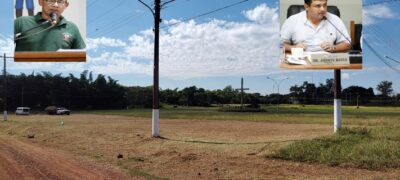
308,2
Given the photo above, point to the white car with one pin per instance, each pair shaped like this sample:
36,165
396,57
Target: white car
62,111
22,111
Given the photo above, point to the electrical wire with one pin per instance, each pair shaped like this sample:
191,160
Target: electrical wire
116,26
204,14
92,3
107,12
380,2
380,57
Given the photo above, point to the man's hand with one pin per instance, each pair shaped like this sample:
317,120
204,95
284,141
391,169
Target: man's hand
328,47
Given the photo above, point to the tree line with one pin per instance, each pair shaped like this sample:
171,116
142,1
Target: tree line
39,90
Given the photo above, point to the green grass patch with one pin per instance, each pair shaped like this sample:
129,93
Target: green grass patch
139,173
308,114
376,148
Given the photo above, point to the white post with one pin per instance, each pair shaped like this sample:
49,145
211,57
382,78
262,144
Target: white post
337,114
337,101
5,115
155,123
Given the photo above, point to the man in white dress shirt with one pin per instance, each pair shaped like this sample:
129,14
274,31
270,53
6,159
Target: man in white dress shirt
312,29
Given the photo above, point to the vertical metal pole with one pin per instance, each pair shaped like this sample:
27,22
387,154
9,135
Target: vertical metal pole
358,96
337,114
241,93
5,89
156,106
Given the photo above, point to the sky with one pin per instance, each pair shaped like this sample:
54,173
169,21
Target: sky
211,51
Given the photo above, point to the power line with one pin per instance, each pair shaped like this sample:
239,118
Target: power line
380,57
115,25
105,13
388,45
204,14
379,2
91,4
386,56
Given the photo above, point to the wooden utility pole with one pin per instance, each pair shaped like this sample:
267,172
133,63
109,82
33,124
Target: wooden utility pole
5,88
156,101
337,101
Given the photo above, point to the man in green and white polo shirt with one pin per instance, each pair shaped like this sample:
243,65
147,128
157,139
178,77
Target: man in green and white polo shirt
49,37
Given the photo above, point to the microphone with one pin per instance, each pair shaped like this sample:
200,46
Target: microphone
53,17
337,29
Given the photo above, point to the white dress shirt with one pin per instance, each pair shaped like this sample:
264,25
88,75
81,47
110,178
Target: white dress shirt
298,29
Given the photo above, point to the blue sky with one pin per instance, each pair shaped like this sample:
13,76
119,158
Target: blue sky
211,51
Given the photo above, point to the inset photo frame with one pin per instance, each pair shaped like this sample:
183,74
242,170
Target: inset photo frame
321,34
50,30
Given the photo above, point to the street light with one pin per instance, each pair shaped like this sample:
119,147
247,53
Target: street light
277,83
277,86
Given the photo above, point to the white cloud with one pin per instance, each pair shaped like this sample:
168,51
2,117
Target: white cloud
345,76
262,14
6,45
215,48
372,13
95,43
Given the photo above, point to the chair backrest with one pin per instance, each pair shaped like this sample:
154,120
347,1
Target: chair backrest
294,9
356,31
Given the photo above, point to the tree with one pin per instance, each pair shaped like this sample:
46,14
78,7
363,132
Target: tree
140,96
385,87
170,96
352,93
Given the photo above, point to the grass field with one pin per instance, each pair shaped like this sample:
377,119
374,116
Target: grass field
376,148
205,143
309,114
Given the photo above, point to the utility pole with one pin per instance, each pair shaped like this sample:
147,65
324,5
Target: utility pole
156,102
358,96
5,88
337,101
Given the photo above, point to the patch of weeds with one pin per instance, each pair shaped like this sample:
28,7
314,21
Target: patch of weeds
360,147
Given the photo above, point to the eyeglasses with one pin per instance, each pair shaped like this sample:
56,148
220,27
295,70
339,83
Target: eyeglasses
52,2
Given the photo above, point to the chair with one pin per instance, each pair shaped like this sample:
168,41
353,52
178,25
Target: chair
356,30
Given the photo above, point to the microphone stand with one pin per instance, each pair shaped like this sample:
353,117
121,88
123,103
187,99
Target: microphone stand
352,51
16,36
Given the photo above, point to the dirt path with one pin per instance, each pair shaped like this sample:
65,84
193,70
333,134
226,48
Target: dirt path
19,160
189,149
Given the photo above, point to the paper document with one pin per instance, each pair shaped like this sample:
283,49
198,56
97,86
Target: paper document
296,59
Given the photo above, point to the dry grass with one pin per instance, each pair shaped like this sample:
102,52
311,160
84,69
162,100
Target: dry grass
188,149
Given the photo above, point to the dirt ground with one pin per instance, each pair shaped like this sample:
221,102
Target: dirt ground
87,146
19,160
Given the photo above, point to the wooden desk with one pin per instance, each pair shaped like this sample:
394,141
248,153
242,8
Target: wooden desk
315,67
355,63
64,56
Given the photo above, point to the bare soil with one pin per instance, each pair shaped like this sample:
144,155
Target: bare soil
19,160
188,149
